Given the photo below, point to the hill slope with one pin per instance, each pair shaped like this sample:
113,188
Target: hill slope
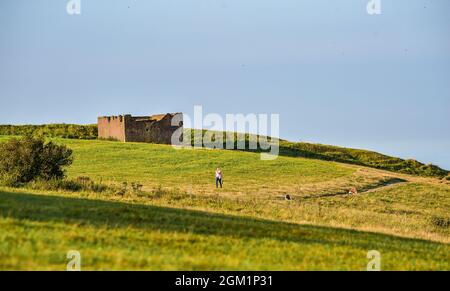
180,221
291,149
38,230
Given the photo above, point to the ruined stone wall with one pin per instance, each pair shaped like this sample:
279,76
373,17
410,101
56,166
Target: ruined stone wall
147,129
151,129
111,127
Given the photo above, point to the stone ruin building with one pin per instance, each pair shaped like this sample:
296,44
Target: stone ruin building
151,129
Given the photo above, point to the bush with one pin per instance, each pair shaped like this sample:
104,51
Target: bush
441,222
77,185
27,159
52,130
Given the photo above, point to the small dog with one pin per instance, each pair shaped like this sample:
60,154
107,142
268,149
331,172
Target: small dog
353,191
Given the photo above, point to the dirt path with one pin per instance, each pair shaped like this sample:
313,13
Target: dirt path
385,187
388,185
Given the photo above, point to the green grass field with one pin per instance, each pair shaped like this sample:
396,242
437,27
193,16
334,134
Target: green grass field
181,222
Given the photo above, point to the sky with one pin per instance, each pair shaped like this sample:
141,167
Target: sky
334,73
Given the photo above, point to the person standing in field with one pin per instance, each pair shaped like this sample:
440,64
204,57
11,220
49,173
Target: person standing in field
218,178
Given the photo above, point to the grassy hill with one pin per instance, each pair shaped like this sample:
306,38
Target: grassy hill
290,149
361,157
38,230
178,220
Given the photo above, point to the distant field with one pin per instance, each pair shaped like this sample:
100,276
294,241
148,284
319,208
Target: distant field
180,221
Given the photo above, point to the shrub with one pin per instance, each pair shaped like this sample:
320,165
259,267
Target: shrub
55,185
52,130
441,222
27,159
77,185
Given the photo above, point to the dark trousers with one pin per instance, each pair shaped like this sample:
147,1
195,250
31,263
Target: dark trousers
218,181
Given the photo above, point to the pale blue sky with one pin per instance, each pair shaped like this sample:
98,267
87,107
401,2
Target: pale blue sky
334,73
